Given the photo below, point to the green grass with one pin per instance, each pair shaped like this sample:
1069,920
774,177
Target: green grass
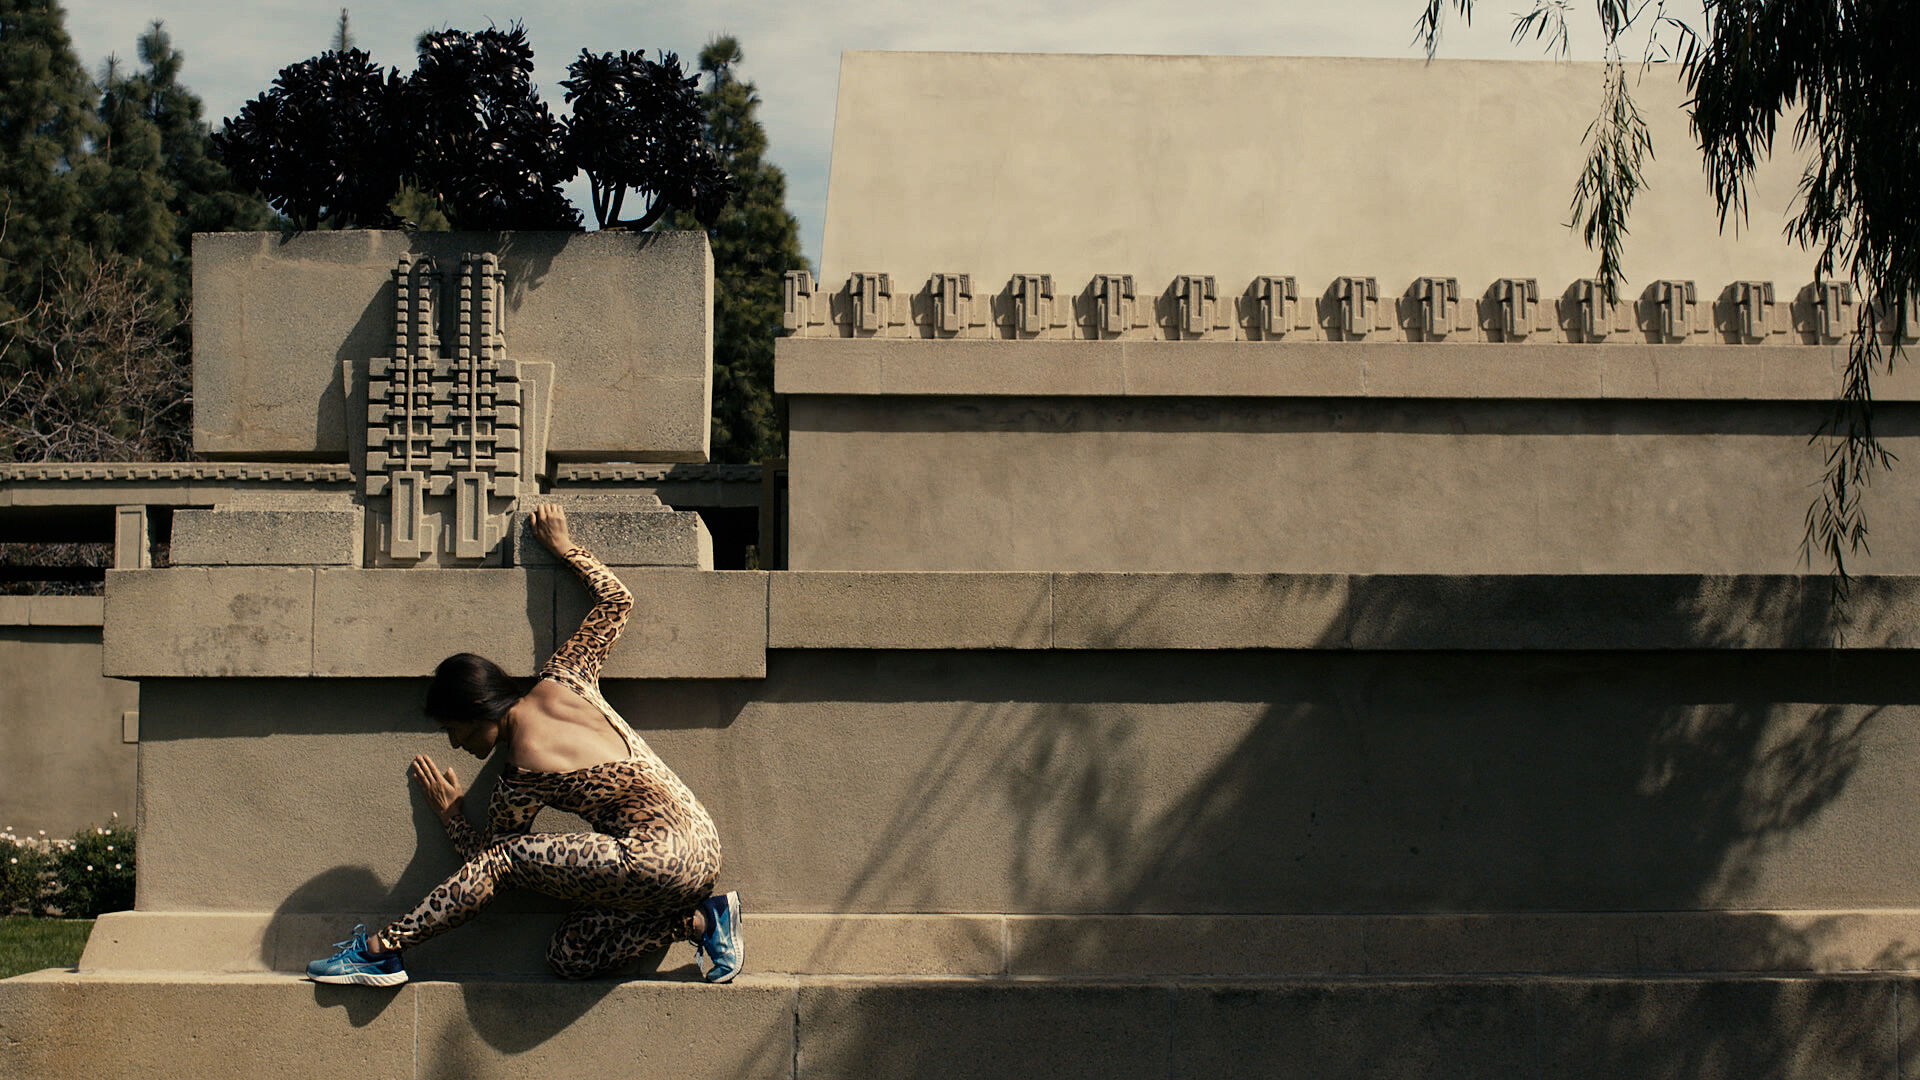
28,944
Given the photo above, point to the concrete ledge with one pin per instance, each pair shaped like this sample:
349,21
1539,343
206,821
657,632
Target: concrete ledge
375,623
52,610
689,624
853,610
1199,611
229,536
1882,941
57,1023
686,624
647,536
209,621
911,367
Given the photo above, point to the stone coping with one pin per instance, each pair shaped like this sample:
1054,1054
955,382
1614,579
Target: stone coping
1098,946
173,471
51,610
344,622
1361,369
566,473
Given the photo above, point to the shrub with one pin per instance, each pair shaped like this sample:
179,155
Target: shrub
79,878
93,872
26,875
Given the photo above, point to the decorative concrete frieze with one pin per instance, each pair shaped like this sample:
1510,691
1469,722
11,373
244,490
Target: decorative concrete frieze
1898,322
1746,313
1426,309
1353,308
1431,309
1111,306
1272,308
1512,310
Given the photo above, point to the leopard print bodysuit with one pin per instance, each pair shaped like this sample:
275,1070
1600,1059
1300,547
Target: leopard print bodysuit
654,853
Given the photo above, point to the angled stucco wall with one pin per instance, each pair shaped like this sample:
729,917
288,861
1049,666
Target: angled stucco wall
996,164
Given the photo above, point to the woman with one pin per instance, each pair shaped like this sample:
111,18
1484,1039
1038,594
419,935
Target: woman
646,873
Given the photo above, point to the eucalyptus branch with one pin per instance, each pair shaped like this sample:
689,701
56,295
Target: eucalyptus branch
1618,146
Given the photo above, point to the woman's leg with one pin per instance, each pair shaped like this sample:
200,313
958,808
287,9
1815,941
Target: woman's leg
592,867
595,941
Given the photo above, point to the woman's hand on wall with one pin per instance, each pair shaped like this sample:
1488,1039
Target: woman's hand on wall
550,528
441,786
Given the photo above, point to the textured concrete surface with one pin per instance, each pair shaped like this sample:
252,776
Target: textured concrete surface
63,762
1147,165
229,536
624,318
1321,485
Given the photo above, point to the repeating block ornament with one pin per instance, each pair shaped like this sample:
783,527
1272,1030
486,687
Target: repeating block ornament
444,423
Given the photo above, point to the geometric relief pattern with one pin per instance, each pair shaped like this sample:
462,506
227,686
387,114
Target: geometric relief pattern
444,425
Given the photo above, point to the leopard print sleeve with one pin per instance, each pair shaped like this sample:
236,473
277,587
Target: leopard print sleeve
580,658
510,812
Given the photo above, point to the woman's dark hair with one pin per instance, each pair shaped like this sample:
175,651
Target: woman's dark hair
472,689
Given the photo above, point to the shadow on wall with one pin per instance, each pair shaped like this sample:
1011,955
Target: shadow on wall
1391,780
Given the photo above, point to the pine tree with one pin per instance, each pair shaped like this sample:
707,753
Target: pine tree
755,242
46,119
127,214
204,197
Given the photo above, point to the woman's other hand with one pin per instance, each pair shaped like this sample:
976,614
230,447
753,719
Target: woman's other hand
550,528
440,786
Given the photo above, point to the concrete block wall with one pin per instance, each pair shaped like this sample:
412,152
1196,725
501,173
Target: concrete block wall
68,736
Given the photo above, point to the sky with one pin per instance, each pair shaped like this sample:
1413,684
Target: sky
792,51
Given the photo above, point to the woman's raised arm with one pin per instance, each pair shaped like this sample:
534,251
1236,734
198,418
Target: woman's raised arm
584,653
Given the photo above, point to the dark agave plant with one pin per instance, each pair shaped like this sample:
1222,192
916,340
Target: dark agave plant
319,144
637,125
335,137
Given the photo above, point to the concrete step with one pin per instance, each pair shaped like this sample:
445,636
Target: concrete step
258,1026
513,942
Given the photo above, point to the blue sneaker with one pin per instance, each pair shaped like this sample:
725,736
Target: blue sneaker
352,964
721,945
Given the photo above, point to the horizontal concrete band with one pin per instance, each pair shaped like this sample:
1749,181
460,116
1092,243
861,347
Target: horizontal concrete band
1358,369
64,1024
51,610
343,622
1093,946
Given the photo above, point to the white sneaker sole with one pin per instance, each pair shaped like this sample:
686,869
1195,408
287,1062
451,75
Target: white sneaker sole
361,979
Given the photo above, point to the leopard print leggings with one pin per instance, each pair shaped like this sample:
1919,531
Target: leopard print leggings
654,854
571,866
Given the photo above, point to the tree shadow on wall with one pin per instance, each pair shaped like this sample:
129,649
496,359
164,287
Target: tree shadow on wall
1402,778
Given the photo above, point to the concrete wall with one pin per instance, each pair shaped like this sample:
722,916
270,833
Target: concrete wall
1198,782
67,760
1322,485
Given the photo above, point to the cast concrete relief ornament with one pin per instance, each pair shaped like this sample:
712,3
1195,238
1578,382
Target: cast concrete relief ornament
444,424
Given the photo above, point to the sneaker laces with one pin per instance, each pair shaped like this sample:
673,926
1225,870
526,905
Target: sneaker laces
356,943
